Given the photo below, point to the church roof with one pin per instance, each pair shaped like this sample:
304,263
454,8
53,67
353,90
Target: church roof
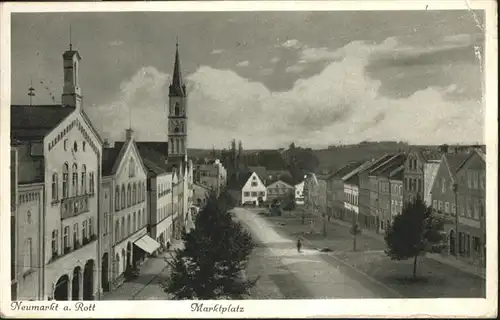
35,122
70,53
177,88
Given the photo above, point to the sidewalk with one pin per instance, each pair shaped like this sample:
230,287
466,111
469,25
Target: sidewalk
151,268
450,261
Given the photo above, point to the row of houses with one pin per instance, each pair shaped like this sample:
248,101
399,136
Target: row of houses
372,192
85,212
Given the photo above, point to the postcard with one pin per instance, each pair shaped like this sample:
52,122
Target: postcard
249,159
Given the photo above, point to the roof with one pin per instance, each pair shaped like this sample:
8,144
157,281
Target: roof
109,156
354,180
348,168
388,166
243,178
177,88
261,171
160,147
397,174
35,122
280,181
454,161
429,154
153,156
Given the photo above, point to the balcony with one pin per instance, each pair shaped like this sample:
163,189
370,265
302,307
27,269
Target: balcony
70,249
71,207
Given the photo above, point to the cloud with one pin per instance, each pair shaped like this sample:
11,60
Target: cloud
217,51
295,69
339,103
291,44
266,71
243,63
275,60
318,54
116,43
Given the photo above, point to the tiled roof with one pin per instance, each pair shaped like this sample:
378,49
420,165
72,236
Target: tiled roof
160,147
378,162
397,174
455,160
28,122
261,171
354,180
346,169
387,167
109,156
243,178
430,154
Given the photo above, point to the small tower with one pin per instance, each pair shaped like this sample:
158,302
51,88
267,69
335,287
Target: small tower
72,96
177,114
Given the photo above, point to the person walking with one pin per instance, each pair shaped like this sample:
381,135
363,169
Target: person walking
299,245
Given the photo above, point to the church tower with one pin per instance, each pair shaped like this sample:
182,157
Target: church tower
72,95
177,114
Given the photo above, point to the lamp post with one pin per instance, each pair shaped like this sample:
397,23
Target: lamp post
457,239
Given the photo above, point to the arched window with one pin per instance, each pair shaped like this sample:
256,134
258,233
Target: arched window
28,255
134,194
84,179
143,192
177,109
65,181
117,230
74,180
128,225
55,186
134,223
123,229
123,197
176,130
129,196
117,198
131,168
91,183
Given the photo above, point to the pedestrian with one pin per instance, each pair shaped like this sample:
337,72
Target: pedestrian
168,245
299,245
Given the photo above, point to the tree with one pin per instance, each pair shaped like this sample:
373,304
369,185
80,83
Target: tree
413,232
215,254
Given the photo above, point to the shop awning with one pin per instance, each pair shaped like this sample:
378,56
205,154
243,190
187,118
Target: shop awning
147,244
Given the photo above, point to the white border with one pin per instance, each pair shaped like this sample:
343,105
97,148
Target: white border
419,308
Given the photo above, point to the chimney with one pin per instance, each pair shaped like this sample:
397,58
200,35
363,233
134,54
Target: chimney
129,134
106,144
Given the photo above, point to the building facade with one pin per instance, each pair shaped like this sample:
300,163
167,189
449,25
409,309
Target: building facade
396,186
279,190
351,198
253,191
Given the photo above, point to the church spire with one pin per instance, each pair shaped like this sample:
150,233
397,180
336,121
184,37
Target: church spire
177,88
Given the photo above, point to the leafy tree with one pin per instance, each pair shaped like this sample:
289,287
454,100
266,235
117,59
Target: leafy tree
415,231
215,255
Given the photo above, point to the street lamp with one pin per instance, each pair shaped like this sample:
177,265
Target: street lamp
457,237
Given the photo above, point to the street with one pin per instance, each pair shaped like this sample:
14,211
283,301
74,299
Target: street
287,274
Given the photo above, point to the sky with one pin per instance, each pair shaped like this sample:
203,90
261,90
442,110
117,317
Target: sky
265,78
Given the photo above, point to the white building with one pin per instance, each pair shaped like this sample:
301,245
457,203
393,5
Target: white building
127,220
299,193
59,148
253,190
431,168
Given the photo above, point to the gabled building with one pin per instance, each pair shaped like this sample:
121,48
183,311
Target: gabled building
125,224
59,148
253,190
213,175
368,195
351,192
396,187
414,176
279,190
444,196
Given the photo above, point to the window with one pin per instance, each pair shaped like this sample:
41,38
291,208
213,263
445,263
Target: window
482,181
131,168
74,180
75,235
83,146
117,198
476,206
476,244
475,179
123,228
123,197
28,255
254,194
65,181
106,223
134,227
262,194
54,186
128,225
470,207
117,230
254,183
434,204
55,249
246,194
139,221
177,109
84,179
91,183
84,229
91,229
66,237
134,194
129,196
440,208
65,144
75,146
447,207
144,217
469,179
